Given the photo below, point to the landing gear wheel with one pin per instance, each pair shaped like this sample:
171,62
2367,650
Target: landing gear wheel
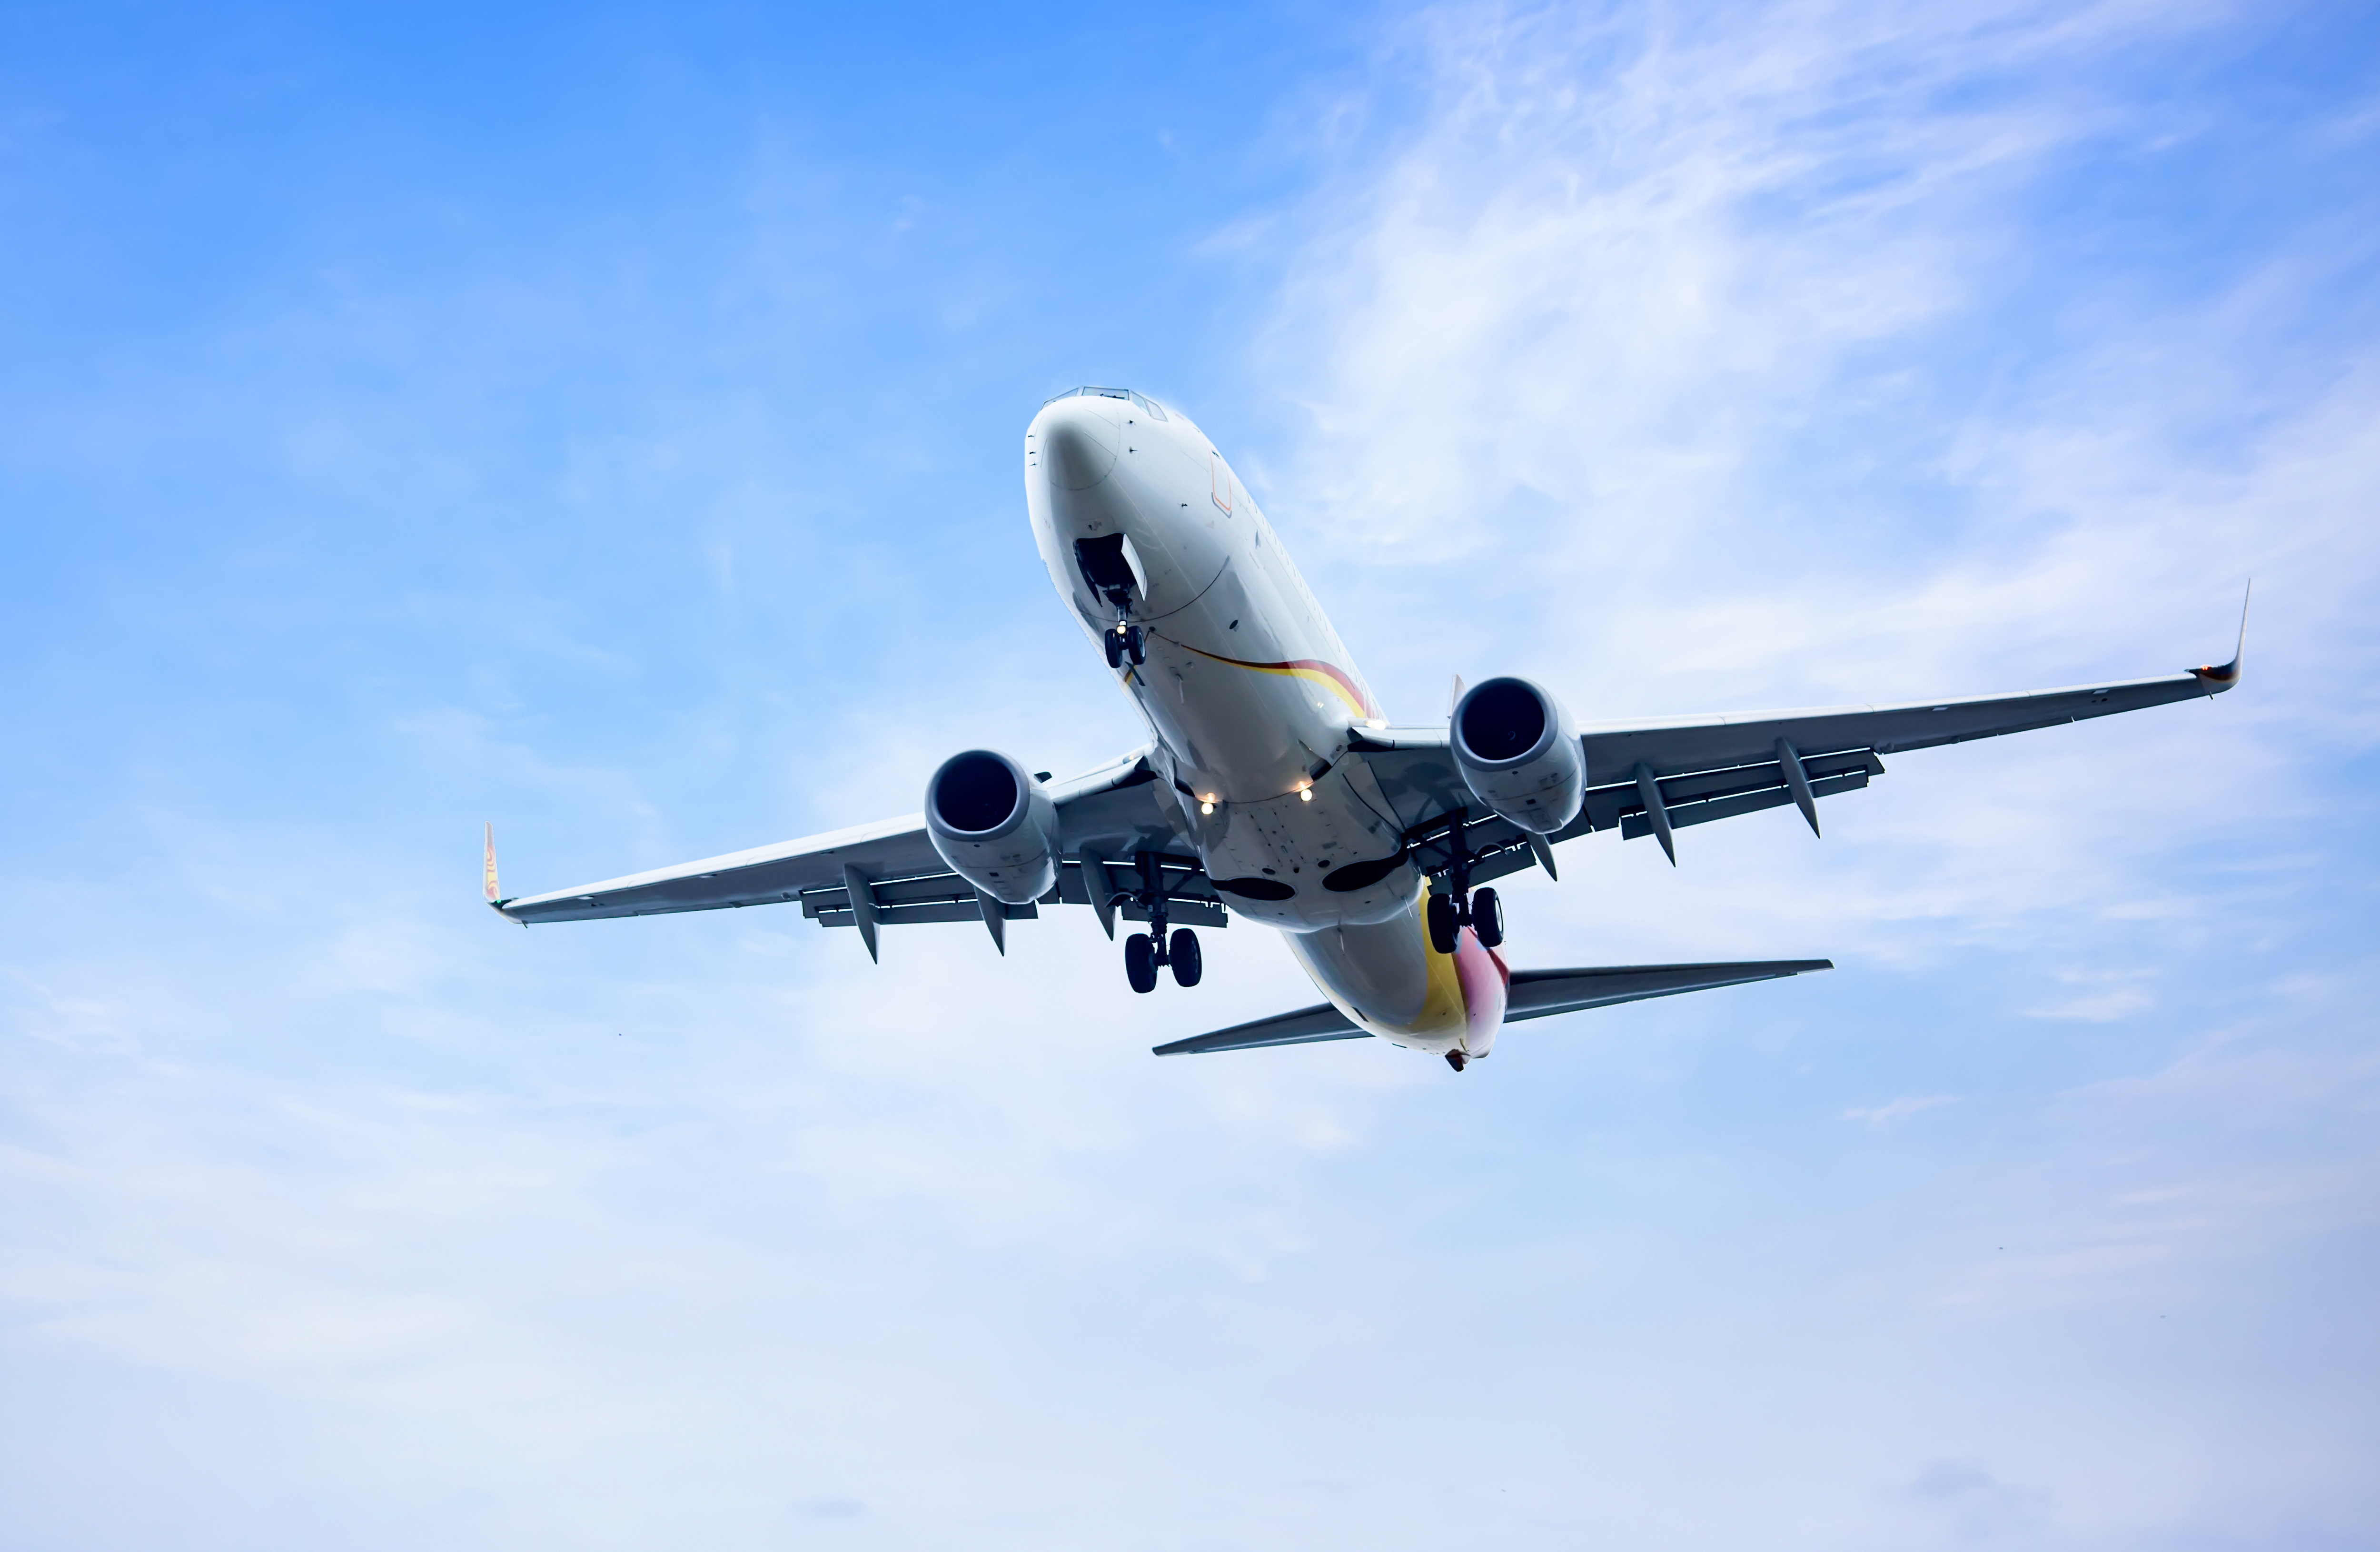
1185,958
1141,961
1114,644
1457,1061
1487,917
1135,647
1443,926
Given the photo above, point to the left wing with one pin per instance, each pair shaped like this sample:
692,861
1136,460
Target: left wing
1116,811
1533,994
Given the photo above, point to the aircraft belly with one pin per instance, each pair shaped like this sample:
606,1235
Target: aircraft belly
1295,848
1387,978
1241,737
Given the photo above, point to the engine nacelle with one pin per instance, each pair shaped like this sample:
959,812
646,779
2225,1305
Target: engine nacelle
1519,753
994,825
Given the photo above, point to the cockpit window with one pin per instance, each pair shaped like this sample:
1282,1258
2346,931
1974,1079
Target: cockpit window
1150,407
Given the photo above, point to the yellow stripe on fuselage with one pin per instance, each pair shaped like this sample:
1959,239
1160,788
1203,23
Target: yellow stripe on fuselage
1444,1013
1313,672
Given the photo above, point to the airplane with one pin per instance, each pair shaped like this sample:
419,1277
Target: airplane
1274,788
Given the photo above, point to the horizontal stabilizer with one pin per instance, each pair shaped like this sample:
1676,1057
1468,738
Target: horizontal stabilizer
1543,993
1534,994
1301,1028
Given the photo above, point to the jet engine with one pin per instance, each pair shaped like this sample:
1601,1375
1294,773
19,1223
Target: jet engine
1519,753
994,825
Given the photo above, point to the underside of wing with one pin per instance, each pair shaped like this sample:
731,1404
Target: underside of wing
763,876
1658,777
1303,1028
1115,811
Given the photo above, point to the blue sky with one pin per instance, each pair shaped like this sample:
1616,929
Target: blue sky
605,422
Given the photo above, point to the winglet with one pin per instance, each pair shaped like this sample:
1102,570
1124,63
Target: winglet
488,881
2217,680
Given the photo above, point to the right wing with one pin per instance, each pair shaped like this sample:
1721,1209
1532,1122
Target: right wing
1702,769
1534,994
1116,811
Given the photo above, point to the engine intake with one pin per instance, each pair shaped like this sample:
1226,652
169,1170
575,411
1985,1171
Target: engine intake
994,825
1519,753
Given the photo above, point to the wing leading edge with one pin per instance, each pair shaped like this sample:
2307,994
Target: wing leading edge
1534,994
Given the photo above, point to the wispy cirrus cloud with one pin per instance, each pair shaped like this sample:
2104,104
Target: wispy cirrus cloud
1899,1110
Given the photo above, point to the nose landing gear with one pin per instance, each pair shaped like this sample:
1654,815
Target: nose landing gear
1124,641
1146,952
1457,1061
1461,905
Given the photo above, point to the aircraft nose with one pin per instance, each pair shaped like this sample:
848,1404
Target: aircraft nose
1078,442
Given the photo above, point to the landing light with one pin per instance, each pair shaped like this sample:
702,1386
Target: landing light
1206,806
1305,794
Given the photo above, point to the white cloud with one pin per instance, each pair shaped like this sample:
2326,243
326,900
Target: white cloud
1901,1108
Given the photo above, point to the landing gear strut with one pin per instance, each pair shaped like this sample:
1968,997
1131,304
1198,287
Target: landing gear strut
1462,906
1146,952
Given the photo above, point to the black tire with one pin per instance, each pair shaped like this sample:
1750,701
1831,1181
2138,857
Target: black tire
1442,924
1487,917
1136,646
1185,958
1114,645
1141,961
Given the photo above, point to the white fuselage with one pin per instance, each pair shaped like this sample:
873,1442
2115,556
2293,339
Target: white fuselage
1252,702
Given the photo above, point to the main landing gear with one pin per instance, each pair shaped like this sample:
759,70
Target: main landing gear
1462,906
1124,641
1146,952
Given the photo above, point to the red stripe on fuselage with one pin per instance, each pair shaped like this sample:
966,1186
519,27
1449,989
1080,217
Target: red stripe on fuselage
1354,693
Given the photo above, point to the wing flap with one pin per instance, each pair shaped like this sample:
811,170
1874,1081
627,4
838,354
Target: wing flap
1636,824
946,897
